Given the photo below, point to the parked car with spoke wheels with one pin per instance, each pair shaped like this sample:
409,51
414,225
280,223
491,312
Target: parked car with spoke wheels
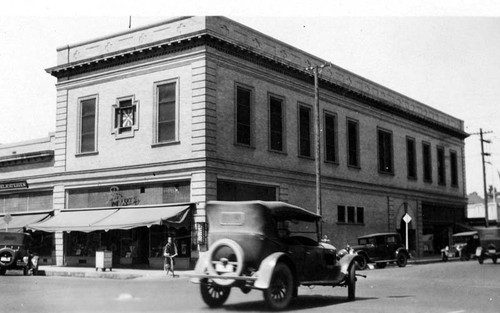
269,246
381,248
16,254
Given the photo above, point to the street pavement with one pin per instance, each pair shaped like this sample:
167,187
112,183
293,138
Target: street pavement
128,273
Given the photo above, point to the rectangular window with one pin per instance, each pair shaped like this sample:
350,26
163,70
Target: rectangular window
341,214
441,166
454,168
350,214
411,158
243,116
385,159
330,121
167,117
427,160
304,131
352,143
276,124
88,125
360,215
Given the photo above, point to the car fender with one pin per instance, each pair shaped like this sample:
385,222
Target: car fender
346,261
402,250
200,267
266,269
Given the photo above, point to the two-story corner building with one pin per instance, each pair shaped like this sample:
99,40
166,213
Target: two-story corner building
160,119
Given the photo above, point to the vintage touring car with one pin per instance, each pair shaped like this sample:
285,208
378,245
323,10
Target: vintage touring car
268,246
16,254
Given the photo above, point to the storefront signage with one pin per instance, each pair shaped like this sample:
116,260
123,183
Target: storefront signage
117,199
14,185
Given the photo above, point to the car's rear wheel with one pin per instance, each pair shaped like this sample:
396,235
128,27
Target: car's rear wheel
280,292
402,260
381,264
214,295
6,257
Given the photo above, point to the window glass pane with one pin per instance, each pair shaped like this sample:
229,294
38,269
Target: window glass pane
305,131
243,116
411,158
454,168
166,112
350,214
330,138
166,93
352,141
441,166
87,125
341,213
426,150
385,151
276,124
166,131
360,215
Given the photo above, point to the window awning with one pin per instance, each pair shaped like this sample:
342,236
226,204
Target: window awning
19,221
88,220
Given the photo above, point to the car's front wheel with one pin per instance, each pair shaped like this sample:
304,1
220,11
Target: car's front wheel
362,262
351,283
402,260
280,292
214,295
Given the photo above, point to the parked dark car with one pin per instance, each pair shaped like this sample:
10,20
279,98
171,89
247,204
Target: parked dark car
489,246
381,248
16,254
464,246
268,246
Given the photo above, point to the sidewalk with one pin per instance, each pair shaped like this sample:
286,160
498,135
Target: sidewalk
115,273
128,273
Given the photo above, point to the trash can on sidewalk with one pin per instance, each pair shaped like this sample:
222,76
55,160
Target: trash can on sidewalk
104,260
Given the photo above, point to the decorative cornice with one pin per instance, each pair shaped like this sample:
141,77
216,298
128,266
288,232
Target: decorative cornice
25,158
274,63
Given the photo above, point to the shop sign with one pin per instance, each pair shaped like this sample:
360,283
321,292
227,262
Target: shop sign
117,199
14,185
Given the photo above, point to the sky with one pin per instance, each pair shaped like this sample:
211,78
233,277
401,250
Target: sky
445,54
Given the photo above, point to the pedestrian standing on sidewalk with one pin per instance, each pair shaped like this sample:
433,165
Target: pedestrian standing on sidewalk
169,252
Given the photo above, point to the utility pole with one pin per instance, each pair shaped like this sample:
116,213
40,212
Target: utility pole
483,154
316,70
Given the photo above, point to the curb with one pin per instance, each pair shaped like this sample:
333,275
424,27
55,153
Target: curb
110,275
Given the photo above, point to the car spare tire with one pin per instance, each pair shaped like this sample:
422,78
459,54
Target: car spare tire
7,257
225,259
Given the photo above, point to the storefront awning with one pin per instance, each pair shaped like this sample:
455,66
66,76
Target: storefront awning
19,221
88,220
131,217
73,220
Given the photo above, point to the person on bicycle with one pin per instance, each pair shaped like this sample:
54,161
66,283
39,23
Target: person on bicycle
169,252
